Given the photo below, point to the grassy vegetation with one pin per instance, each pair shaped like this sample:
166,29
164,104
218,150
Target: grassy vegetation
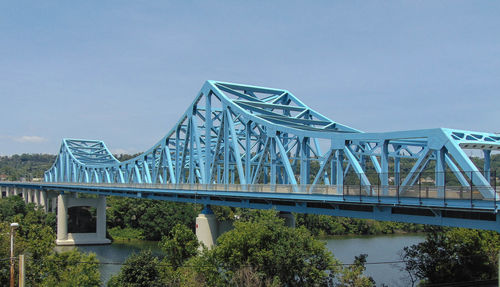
127,233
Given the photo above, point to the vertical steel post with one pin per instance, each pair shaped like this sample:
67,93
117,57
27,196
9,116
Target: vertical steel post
470,183
487,164
419,189
384,162
444,188
208,135
248,153
378,188
340,170
495,190
360,190
397,191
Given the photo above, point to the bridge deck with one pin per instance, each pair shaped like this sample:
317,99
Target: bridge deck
427,205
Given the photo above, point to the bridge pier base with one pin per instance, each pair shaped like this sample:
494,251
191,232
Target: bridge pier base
64,201
289,218
207,227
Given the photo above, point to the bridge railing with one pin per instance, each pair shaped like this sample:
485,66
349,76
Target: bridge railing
423,187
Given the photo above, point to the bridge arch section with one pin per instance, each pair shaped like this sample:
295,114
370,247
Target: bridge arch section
265,140
248,135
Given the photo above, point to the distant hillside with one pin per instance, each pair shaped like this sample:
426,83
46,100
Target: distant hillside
25,166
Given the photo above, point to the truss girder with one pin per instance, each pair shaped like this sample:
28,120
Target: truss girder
241,134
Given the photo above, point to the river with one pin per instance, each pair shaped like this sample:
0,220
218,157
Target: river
381,248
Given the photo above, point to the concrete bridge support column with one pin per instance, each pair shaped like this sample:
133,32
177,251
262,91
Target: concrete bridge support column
289,218
65,201
62,219
25,195
207,227
30,195
101,218
36,192
43,200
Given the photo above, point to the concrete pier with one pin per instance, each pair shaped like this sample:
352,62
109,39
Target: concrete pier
36,194
25,195
62,219
207,227
43,201
65,201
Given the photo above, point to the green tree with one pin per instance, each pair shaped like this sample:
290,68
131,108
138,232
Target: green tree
72,268
277,253
456,255
155,218
36,239
352,275
181,246
11,206
139,270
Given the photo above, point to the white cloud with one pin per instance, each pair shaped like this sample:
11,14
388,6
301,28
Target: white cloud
29,139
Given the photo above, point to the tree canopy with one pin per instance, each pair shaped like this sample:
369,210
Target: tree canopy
457,255
35,237
259,251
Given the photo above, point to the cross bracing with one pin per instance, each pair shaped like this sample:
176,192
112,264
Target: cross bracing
248,135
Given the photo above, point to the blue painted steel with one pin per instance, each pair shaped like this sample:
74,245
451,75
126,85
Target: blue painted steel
479,214
246,135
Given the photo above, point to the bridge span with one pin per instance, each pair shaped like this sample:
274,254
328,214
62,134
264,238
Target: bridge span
255,147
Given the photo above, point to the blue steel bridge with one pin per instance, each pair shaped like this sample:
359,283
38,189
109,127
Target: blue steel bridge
254,147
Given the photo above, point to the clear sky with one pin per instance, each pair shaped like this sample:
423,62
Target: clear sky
124,71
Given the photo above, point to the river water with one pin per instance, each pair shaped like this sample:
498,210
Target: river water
383,248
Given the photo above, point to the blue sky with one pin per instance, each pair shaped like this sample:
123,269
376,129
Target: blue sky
124,71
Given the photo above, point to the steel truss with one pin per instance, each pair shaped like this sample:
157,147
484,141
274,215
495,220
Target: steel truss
248,135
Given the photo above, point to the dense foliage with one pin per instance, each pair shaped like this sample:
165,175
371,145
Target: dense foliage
277,253
181,246
457,255
259,251
153,218
139,270
35,237
26,166
324,225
